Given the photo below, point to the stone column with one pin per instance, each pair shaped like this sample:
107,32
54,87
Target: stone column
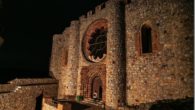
70,78
115,77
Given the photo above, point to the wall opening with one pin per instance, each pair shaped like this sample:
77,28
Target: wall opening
93,78
146,39
100,92
39,102
97,87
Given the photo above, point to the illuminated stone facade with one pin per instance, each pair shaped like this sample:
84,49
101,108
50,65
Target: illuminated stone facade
148,56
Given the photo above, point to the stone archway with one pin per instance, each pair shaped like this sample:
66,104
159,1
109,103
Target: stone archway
93,78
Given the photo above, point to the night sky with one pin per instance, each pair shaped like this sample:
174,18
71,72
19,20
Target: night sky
27,27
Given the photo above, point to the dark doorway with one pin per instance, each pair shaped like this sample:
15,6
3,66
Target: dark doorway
39,102
97,86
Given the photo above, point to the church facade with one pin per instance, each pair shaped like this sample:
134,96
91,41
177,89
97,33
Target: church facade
128,52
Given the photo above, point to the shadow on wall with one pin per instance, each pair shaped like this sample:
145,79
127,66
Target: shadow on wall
182,104
78,106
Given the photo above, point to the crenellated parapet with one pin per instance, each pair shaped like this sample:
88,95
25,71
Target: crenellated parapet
94,11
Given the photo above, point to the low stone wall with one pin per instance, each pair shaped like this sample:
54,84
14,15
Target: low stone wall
32,81
26,94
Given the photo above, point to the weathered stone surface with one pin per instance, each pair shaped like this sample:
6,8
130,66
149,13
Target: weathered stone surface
160,75
56,60
69,78
133,77
115,56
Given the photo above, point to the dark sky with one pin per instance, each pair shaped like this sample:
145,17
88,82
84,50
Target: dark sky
27,27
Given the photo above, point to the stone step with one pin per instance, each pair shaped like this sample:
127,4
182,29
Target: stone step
93,102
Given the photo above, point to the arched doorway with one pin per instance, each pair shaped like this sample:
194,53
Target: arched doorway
97,87
93,78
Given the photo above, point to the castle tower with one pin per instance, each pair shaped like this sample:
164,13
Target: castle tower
115,56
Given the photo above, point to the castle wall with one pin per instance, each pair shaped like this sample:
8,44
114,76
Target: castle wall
21,94
166,73
85,22
115,71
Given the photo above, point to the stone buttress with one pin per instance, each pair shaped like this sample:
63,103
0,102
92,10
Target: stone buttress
115,57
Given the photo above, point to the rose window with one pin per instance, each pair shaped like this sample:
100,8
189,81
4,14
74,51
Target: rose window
97,44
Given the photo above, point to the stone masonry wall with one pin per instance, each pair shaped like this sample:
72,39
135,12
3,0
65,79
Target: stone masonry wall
168,72
57,56
85,22
70,77
24,93
64,60
115,67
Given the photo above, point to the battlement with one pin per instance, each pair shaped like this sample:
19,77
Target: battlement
94,11
99,8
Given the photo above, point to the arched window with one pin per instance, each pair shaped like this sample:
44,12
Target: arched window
146,39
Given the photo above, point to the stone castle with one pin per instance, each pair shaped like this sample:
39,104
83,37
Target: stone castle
129,52
135,54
